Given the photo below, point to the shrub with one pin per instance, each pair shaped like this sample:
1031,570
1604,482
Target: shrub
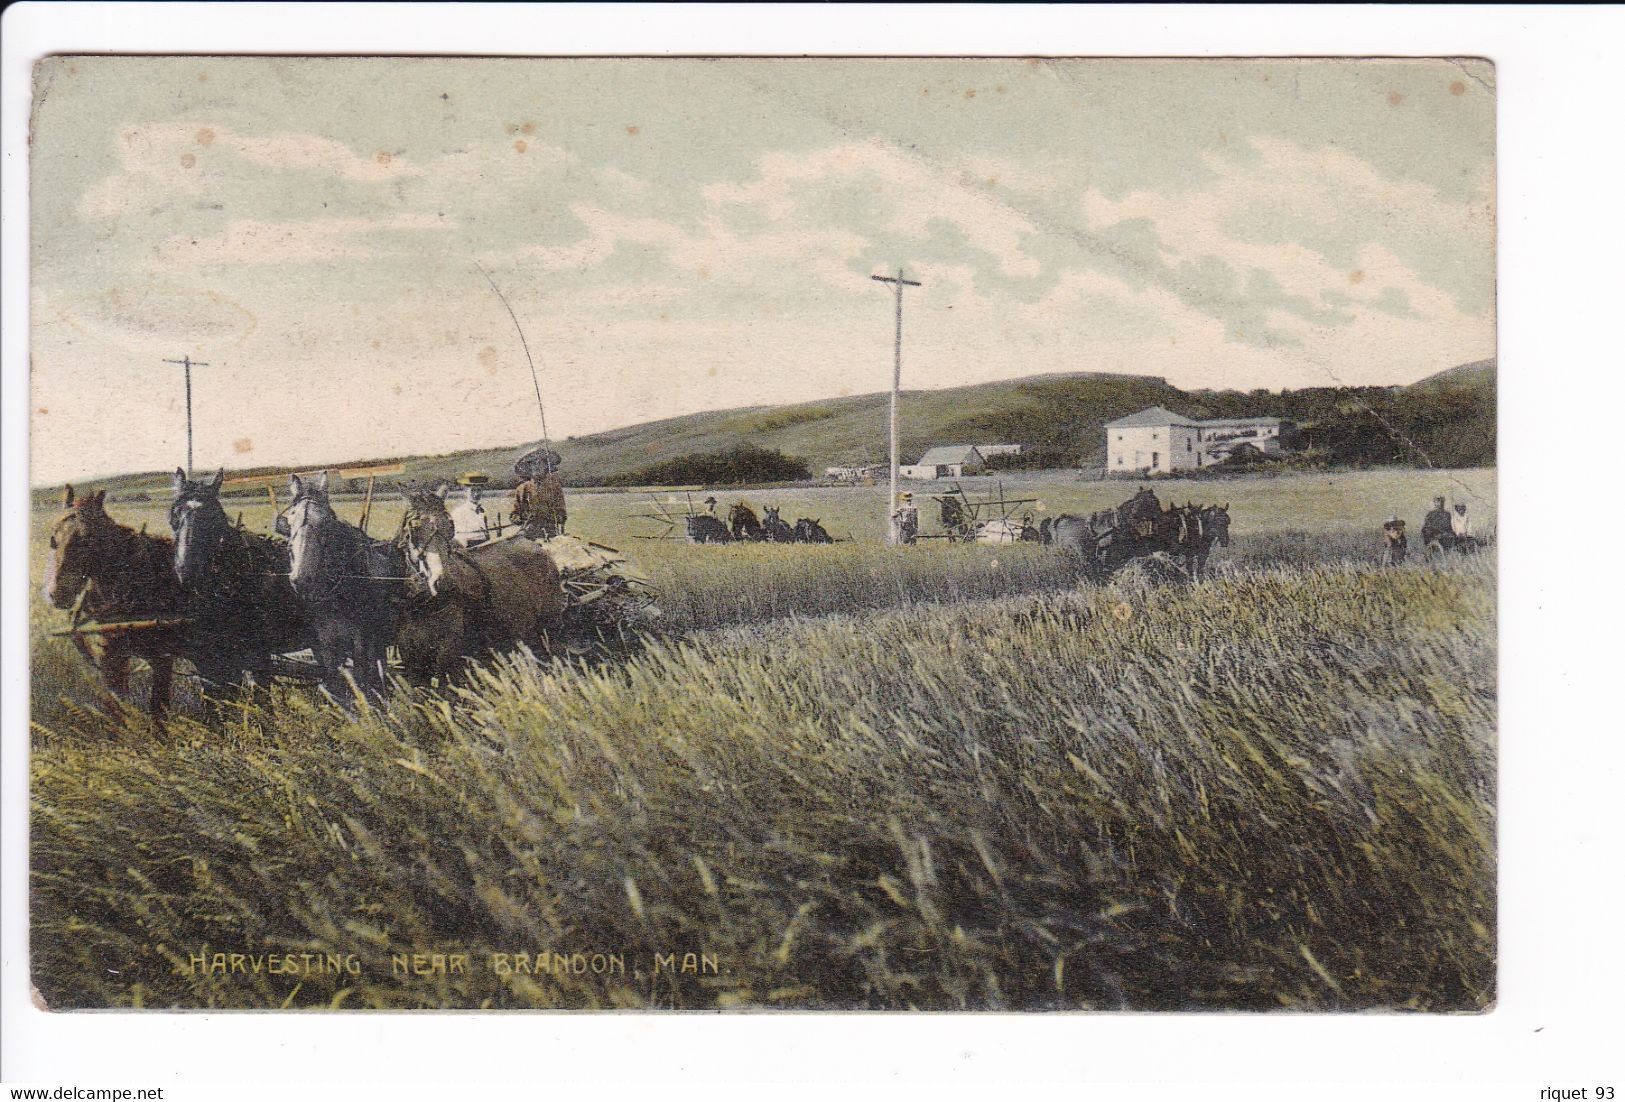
741,464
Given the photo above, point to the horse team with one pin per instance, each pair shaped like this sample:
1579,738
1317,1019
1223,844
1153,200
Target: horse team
232,602
745,527
1140,527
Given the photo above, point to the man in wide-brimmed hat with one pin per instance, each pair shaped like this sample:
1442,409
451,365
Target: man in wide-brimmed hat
906,520
538,501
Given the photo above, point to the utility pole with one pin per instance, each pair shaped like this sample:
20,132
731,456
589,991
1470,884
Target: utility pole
188,363
896,385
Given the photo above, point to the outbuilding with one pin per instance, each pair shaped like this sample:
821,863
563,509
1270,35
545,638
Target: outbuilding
946,461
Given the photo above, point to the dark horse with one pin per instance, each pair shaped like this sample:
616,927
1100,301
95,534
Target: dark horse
777,531
464,603
108,573
240,606
1200,527
808,530
742,523
348,583
705,528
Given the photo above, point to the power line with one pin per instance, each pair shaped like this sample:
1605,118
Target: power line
188,363
896,385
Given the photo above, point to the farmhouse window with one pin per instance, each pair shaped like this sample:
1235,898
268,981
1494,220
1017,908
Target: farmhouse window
1154,459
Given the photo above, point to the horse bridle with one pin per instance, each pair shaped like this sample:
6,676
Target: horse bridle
417,561
328,571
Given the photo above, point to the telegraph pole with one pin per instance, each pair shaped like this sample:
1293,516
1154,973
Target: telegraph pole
896,385
188,363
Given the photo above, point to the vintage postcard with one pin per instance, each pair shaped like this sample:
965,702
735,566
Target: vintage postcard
763,534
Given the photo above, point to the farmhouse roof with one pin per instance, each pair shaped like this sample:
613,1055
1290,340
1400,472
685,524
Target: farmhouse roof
1150,416
948,454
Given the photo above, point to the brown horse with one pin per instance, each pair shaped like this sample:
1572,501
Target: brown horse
743,523
108,573
464,603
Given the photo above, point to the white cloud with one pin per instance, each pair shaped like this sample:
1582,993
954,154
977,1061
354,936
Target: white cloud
911,192
1292,188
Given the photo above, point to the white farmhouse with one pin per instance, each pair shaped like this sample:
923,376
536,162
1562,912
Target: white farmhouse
1159,441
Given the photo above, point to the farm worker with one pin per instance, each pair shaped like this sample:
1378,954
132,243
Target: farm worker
1140,513
1460,526
1393,541
1436,526
954,521
906,520
538,502
470,525
711,505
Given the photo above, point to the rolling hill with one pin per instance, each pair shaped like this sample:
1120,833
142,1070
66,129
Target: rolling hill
1448,417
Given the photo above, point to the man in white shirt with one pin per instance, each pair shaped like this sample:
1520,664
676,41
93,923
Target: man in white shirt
471,526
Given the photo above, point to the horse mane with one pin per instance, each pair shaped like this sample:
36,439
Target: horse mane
140,581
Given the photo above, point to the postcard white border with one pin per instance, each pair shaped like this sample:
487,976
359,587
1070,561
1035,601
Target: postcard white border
1560,173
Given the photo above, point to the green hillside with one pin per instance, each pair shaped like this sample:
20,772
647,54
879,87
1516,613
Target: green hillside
1449,416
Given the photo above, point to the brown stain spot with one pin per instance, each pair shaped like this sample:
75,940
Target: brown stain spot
243,446
704,272
488,357
925,91
711,372
1224,139
528,129
187,160
519,146
1356,276
632,130
1395,99
383,158
205,136
999,89
202,78
992,181
1457,88
970,93
42,411
376,343
396,390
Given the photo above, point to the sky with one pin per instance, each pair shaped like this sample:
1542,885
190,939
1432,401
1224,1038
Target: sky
682,235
